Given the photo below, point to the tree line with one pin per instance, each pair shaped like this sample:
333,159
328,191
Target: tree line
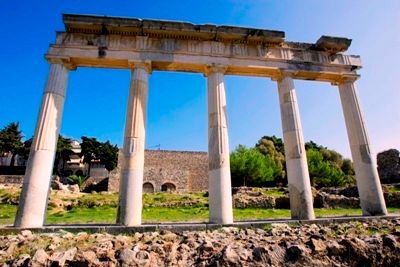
264,164
91,149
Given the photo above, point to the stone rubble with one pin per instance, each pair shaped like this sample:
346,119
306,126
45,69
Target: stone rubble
252,197
371,243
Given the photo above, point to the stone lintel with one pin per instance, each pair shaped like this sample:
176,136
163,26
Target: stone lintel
169,29
242,67
333,44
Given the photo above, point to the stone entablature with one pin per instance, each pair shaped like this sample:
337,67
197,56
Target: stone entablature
174,46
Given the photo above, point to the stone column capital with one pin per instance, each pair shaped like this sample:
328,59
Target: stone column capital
65,61
209,68
143,64
345,79
282,73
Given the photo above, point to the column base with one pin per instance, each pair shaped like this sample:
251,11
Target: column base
130,202
220,196
301,204
33,200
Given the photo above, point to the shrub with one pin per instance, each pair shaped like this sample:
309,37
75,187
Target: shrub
76,179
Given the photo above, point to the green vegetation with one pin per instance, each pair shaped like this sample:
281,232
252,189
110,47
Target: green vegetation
161,199
249,167
99,214
104,152
158,207
273,147
327,167
254,213
107,214
9,196
63,152
7,213
274,192
392,189
77,179
11,141
160,214
264,165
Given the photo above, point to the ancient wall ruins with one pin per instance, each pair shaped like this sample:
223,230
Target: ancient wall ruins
186,170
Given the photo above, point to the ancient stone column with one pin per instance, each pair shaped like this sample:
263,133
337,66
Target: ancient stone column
219,181
301,202
33,200
369,186
131,179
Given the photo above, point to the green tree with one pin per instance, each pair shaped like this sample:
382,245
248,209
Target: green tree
25,150
249,167
104,152
323,172
312,145
108,155
278,143
11,140
89,150
274,148
328,167
347,167
63,152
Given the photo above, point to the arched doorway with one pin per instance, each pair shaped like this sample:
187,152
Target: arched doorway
168,187
148,188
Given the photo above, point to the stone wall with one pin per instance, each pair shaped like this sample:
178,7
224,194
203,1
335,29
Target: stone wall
185,171
389,166
11,179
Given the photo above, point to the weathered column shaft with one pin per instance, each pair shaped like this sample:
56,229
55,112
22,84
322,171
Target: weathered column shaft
369,186
301,203
219,183
131,181
33,200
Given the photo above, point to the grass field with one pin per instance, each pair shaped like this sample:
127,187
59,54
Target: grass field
102,208
107,214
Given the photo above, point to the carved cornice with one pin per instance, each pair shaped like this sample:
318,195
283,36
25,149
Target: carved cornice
103,25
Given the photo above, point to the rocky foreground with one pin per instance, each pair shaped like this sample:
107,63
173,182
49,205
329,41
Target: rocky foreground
372,243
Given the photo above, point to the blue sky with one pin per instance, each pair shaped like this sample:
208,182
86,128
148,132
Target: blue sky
177,108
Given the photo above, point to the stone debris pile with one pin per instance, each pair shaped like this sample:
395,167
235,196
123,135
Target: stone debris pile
372,243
